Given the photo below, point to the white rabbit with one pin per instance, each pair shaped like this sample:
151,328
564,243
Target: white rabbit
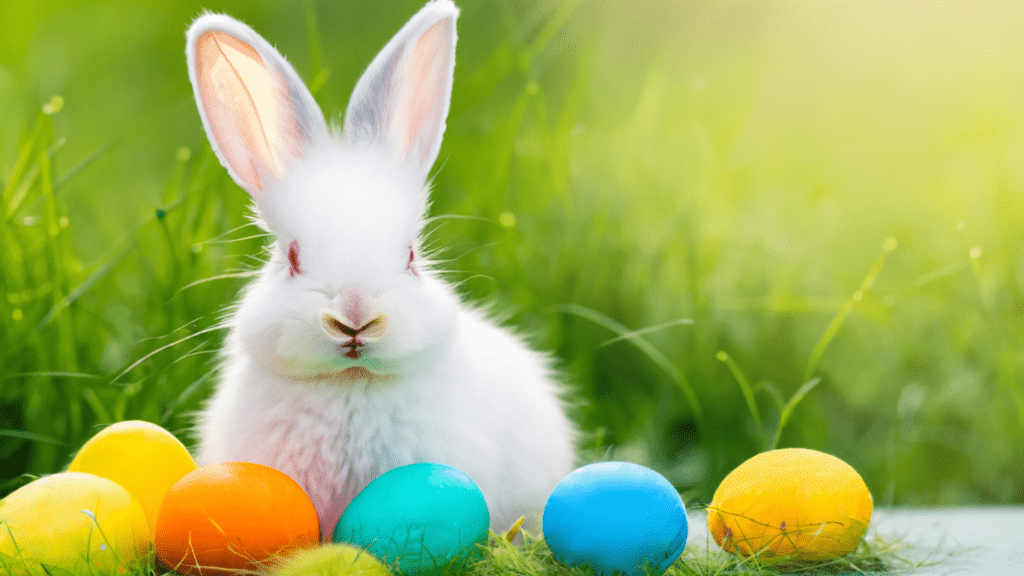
348,356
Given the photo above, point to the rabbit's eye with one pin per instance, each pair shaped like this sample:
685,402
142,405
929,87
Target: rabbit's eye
410,267
293,258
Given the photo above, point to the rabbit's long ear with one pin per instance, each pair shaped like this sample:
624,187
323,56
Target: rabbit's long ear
258,114
402,99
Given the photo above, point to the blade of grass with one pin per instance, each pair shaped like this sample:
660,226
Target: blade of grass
320,72
556,138
644,346
22,163
51,374
25,435
61,269
16,481
513,54
677,322
748,394
22,192
999,328
773,391
60,182
787,411
935,275
121,250
102,414
840,318
552,25
185,395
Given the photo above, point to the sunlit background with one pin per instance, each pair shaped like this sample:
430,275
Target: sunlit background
702,209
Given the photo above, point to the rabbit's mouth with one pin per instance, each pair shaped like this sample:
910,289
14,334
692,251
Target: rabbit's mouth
353,347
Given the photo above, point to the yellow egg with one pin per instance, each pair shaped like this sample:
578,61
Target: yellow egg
332,560
66,518
791,502
141,456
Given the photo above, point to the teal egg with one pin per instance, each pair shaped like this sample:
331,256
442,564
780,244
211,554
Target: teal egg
418,518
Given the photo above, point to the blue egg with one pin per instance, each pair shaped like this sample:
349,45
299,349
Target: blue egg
615,516
419,519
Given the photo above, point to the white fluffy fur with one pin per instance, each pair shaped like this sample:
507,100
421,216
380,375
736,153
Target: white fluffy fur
443,384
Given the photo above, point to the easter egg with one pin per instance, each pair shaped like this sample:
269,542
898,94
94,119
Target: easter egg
418,518
64,519
233,516
615,516
140,456
791,502
331,560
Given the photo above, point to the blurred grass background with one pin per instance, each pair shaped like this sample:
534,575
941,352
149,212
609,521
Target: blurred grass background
783,191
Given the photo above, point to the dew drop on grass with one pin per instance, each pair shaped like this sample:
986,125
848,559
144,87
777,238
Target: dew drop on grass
53,106
910,400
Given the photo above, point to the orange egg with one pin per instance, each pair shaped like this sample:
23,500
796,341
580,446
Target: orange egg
223,518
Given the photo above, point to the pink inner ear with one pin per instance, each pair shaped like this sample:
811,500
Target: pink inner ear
245,103
425,93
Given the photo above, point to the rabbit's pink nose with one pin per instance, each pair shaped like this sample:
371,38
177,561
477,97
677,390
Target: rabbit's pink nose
352,304
339,327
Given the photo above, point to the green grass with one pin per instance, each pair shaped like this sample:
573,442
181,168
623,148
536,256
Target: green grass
531,557
690,204
534,558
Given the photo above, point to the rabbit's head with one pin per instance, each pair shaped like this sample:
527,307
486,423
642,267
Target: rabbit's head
345,290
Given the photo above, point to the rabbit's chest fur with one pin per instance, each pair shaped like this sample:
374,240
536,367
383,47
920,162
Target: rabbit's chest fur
488,406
